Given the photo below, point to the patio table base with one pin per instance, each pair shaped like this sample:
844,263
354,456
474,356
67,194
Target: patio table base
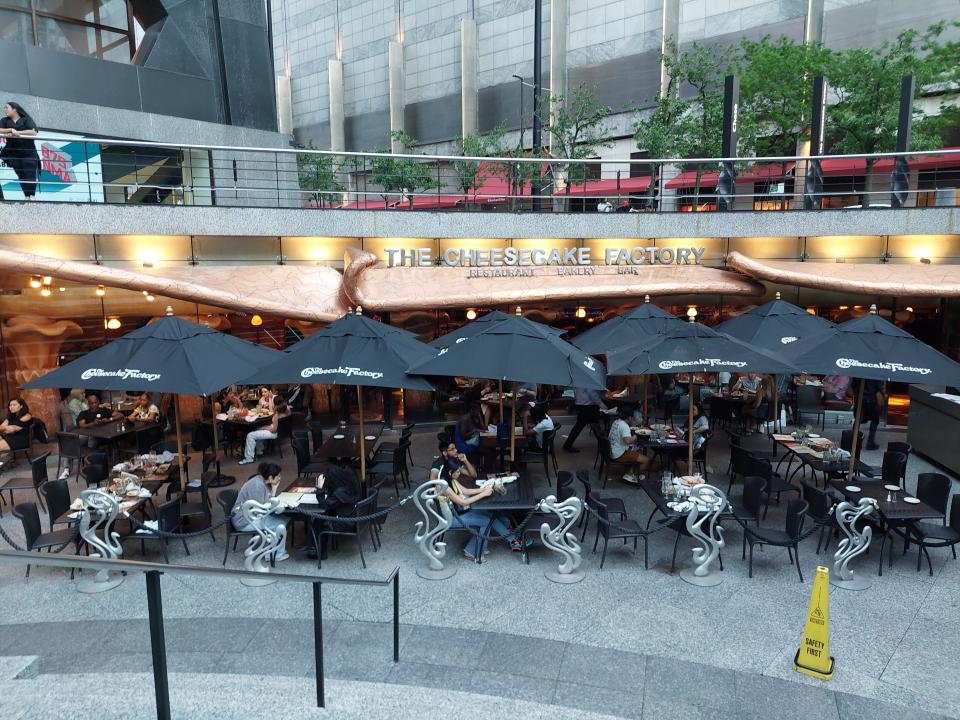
564,578
101,582
709,580
442,574
857,582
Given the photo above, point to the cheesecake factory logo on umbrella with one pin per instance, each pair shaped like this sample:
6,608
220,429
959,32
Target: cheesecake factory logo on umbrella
345,371
124,374
847,363
786,340
707,362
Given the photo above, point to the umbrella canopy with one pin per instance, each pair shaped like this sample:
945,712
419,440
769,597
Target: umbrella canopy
773,325
692,347
517,349
170,355
872,348
479,325
626,330
353,350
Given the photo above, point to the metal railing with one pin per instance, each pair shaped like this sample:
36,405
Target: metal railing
138,172
153,571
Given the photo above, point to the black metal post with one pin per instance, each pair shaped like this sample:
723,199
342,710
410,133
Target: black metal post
158,645
900,177
318,641
396,617
726,183
388,392
537,80
813,181
222,64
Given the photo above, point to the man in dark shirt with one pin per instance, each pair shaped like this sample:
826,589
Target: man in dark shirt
873,401
97,414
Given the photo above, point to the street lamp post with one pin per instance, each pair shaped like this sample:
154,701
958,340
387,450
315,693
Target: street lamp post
537,79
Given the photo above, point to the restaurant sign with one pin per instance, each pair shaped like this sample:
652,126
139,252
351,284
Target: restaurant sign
521,262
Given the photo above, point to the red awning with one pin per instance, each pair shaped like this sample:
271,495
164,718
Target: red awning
623,186
923,162
377,204
843,166
689,180
767,172
420,202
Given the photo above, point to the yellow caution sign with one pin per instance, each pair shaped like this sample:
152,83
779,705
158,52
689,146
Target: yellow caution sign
813,658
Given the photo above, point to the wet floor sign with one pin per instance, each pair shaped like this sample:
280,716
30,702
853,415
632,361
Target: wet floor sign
813,657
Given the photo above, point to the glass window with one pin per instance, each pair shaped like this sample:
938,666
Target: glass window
25,4
66,36
101,12
15,27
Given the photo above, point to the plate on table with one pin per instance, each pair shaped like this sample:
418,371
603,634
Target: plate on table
338,437
892,488
369,437
911,500
133,493
811,435
852,488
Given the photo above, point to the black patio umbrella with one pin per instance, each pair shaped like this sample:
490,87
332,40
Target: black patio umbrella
170,355
625,330
691,348
773,326
871,348
479,325
519,350
352,350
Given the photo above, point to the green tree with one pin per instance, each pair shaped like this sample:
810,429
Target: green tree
866,85
577,130
469,177
401,176
317,175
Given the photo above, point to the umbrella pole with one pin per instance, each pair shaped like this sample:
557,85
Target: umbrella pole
513,422
693,387
776,398
645,419
363,452
176,417
216,442
856,432
500,393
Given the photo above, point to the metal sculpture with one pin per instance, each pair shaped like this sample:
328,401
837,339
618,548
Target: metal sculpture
100,511
707,503
561,540
855,543
428,535
267,541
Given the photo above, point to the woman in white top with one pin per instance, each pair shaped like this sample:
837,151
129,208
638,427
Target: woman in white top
622,448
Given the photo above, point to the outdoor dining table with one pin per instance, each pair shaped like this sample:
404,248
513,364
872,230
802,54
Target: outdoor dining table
893,515
344,443
517,498
812,458
111,432
666,448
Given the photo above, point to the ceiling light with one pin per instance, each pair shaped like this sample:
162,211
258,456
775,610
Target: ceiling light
62,289
909,309
471,314
256,321
581,312
112,323
45,291
844,307
35,281
150,298
47,280
812,310
101,291
692,313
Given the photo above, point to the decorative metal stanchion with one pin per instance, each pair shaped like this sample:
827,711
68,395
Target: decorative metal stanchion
707,504
561,540
100,511
855,543
265,543
428,534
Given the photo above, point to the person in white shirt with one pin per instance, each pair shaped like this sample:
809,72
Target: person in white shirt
622,447
145,411
541,424
604,206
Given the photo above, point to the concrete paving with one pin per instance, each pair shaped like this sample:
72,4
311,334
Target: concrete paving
626,641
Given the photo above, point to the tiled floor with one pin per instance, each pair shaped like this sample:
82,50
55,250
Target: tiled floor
625,641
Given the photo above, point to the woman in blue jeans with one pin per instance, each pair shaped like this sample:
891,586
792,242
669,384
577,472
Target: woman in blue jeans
479,520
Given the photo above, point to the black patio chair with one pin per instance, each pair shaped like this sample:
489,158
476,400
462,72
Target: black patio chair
315,428
748,509
775,483
284,432
933,535
607,464
57,493
546,454
356,529
820,511
907,450
301,450
394,467
741,464
624,528
38,540
564,491
613,505
168,521
38,476
809,401
69,447
93,474
202,510
789,537
226,500
893,468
